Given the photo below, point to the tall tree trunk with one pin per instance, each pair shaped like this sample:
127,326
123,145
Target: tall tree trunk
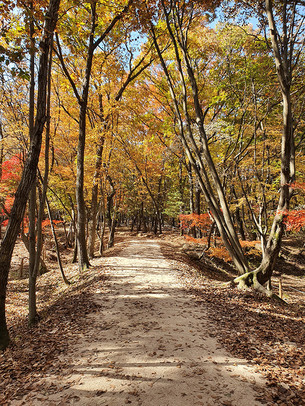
83,260
44,180
204,169
56,245
82,98
103,228
111,214
32,199
283,54
96,181
112,227
30,168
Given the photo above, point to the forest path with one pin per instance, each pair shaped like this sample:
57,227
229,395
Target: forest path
148,345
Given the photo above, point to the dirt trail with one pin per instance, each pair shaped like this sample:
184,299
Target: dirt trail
148,345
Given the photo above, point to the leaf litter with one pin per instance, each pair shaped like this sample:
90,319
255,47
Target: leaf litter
267,334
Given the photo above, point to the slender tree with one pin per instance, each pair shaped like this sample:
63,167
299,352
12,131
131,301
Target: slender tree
135,71
178,19
286,31
82,98
30,167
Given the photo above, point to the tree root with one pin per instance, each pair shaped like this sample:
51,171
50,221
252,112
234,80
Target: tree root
249,280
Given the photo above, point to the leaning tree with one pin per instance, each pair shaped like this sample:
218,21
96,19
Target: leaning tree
286,28
30,167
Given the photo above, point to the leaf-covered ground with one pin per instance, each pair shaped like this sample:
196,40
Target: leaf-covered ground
36,351
266,333
62,309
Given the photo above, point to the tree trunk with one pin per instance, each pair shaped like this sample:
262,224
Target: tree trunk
83,260
103,227
238,218
32,256
38,263
204,169
56,245
43,268
112,231
111,214
198,232
74,258
70,235
133,222
92,232
240,224
30,167
143,220
284,67
96,180
32,199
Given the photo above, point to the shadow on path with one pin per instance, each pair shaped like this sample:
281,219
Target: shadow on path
149,344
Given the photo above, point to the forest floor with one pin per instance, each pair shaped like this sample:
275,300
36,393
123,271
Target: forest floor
147,325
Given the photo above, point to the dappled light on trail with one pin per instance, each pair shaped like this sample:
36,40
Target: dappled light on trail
150,344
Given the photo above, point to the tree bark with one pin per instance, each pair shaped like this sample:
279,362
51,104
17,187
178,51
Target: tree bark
30,167
133,74
56,245
96,179
32,199
284,65
218,207
112,228
103,227
83,258
111,212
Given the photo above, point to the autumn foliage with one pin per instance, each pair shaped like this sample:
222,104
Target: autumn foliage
295,219
202,221
11,173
